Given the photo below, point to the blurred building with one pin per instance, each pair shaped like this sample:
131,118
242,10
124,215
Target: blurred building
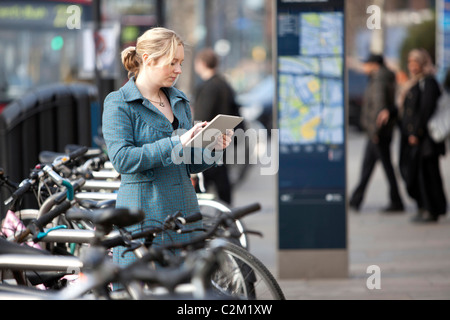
48,41
239,30
37,46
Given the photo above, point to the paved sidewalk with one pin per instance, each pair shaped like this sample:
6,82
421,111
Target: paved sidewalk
414,259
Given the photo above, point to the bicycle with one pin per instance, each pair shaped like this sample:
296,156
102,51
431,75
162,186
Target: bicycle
41,260
203,265
56,203
240,273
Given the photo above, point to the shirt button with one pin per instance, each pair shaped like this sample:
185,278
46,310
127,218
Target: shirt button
169,160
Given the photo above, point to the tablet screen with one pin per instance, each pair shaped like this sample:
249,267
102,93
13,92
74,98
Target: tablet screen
219,125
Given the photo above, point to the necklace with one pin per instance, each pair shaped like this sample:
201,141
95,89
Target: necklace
160,102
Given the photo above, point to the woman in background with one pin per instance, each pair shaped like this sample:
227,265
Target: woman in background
419,154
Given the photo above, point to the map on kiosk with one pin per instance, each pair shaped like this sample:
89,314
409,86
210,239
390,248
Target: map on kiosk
311,95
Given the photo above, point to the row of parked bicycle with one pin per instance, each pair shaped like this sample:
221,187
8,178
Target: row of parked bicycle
62,249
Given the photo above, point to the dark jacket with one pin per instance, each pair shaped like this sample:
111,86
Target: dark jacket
419,105
419,164
214,96
379,95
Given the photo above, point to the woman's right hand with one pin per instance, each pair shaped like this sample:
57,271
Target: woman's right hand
185,138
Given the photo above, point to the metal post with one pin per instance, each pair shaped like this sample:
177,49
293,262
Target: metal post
160,16
96,12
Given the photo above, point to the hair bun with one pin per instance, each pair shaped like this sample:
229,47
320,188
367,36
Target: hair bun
130,61
128,52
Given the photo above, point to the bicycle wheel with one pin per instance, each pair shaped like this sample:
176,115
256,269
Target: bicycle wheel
211,209
244,276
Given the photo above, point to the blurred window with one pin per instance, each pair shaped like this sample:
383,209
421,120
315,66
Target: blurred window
38,47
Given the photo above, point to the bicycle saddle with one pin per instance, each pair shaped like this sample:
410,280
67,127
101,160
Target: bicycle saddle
94,204
108,217
47,157
8,247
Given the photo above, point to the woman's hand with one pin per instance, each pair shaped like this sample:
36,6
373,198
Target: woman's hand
185,138
224,140
413,140
383,118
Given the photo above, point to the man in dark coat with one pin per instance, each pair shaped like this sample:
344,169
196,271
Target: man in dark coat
377,118
212,97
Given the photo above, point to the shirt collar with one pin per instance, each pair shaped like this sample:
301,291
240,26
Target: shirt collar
131,93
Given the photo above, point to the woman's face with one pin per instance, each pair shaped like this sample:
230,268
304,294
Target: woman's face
413,66
166,75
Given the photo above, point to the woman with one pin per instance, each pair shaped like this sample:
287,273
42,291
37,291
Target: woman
419,154
141,125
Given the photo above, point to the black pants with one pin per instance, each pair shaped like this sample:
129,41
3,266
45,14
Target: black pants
218,176
372,154
423,180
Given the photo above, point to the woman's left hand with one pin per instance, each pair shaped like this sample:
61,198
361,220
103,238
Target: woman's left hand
383,118
224,140
413,140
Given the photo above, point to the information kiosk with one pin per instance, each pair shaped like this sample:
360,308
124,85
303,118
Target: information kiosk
311,118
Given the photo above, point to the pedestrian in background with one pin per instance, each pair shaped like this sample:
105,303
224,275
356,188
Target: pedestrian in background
378,116
212,97
419,154
141,123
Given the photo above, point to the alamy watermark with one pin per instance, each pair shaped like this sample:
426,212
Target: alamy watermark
74,18
374,280
248,147
374,21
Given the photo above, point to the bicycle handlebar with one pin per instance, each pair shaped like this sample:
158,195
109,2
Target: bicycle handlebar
4,179
78,153
24,187
36,226
80,214
52,214
224,219
235,214
240,212
191,218
119,240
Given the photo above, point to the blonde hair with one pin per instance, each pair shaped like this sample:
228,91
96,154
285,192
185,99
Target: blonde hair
159,43
423,58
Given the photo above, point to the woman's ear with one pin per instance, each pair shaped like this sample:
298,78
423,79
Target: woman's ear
145,59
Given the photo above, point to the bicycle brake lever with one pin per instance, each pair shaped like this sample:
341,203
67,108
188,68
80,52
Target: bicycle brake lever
171,221
256,233
193,230
133,246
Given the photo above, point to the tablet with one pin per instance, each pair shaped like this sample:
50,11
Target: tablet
219,125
